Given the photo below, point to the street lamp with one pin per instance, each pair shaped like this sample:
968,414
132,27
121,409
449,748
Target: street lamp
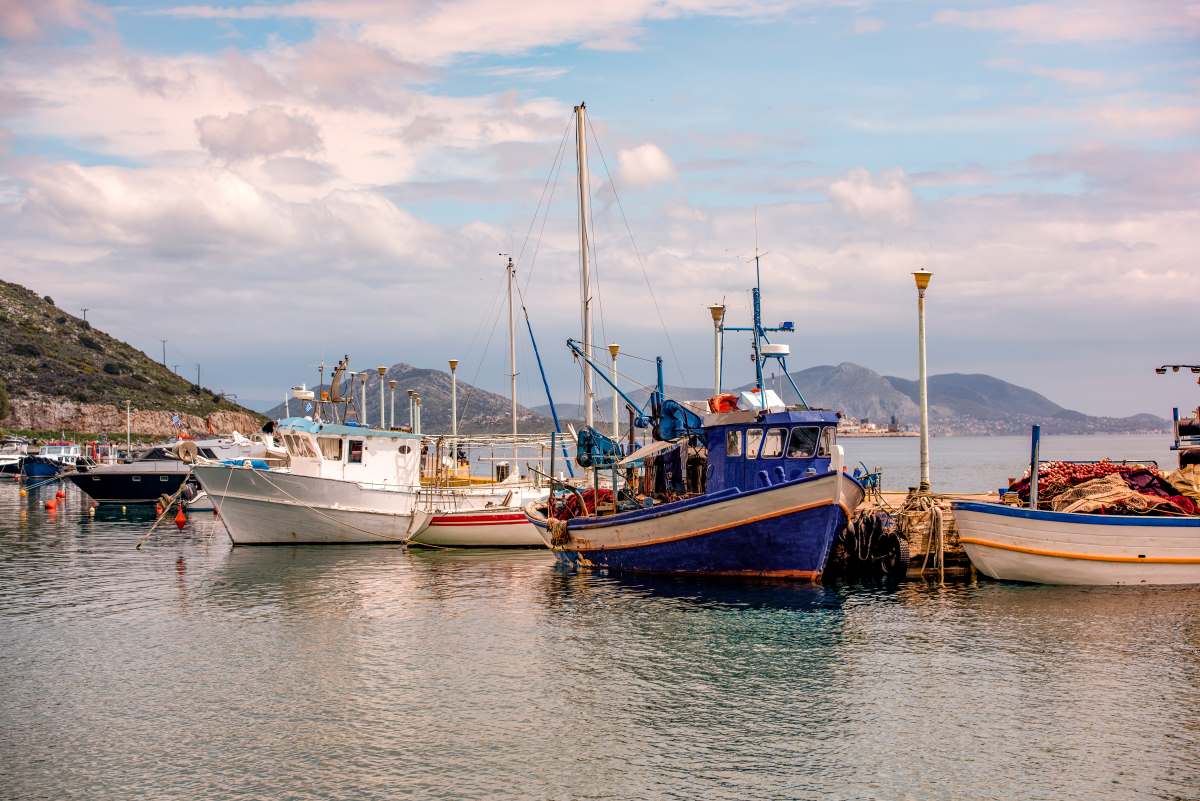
717,310
382,372
922,277
392,401
613,350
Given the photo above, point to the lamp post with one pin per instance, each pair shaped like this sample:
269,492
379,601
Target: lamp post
412,411
392,402
417,402
382,420
717,310
922,278
613,350
454,397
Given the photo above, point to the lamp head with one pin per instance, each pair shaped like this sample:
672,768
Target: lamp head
922,277
717,310
613,349
392,384
453,365
1160,370
381,370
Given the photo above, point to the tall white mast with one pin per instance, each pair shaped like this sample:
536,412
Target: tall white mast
512,359
585,283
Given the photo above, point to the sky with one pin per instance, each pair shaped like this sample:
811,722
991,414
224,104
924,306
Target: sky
271,185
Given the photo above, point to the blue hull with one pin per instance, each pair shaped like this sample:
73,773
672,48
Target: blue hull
792,546
34,467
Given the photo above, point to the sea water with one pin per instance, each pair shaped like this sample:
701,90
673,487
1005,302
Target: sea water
192,670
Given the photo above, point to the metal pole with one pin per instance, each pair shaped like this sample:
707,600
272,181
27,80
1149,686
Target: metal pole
585,287
128,429
613,349
922,278
512,359
287,409
717,310
382,417
164,344
1034,460
197,376
454,417
412,411
417,401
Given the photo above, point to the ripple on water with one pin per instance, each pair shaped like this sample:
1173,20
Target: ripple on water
189,669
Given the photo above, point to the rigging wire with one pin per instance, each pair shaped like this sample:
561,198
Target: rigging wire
637,252
550,184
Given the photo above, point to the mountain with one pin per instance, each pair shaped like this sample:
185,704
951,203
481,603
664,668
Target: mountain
958,403
479,411
62,373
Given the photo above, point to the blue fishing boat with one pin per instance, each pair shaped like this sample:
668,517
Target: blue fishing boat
737,485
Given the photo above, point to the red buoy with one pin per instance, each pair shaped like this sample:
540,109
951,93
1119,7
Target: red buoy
50,504
60,494
180,518
158,509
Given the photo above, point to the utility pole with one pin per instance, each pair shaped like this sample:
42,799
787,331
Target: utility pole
164,344
197,376
85,311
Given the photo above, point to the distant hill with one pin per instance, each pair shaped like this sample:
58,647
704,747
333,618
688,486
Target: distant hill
958,403
61,372
479,411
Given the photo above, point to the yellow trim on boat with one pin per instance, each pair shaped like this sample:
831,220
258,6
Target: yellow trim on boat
1147,560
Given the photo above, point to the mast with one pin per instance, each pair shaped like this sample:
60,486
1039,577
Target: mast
585,286
512,358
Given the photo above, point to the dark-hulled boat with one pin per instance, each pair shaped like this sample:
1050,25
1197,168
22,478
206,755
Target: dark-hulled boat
154,473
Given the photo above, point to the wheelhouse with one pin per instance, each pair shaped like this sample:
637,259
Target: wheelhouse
756,449
351,453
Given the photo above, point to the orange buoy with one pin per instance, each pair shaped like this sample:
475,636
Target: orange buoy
22,493
50,504
60,494
180,518
158,509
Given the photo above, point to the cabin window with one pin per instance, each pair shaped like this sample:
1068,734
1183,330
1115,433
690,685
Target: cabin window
207,453
754,438
803,442
162,479
826,441
772,446
331,448
356,451
137,478
733,443
404,449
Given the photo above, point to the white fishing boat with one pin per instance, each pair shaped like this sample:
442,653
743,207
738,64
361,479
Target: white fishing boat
345,484
1015,543
1034,545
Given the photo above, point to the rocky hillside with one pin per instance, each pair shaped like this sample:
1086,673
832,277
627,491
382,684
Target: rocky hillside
61,373
479,411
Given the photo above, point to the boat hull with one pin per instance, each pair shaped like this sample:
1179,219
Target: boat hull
130,488
1041,547
484,528
269,508
783,531
41,467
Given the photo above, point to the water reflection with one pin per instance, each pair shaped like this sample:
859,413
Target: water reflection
352,672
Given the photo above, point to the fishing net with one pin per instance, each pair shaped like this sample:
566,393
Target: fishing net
1111,494
1187,481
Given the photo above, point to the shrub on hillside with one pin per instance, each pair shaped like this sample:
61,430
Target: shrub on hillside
26,349
88,342
49,300
112,368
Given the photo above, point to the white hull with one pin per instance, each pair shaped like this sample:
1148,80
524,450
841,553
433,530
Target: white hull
1015,544
484,528
269,508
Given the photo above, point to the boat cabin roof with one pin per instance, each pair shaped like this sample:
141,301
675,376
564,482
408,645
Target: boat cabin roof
340,430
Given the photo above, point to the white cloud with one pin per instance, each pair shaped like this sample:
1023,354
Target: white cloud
264,131
644,164
1095,21
886,196
31,19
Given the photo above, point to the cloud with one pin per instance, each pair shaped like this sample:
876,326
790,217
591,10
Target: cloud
263,131
1097,21
868,25
643,165
26,20
886,197
1092,79
525,73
